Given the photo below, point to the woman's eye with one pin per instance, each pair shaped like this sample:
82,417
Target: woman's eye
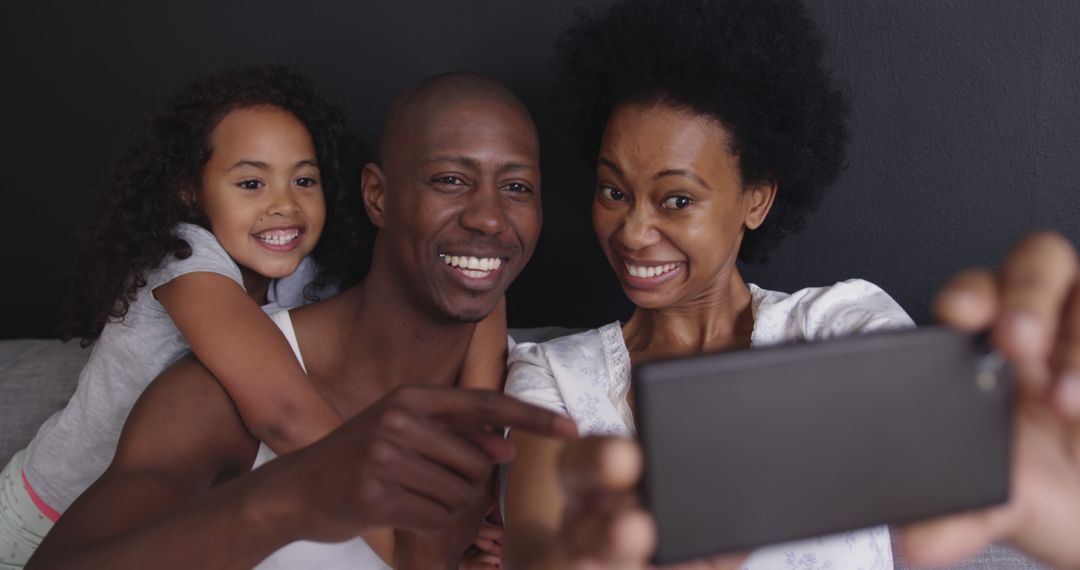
676,202
250,184
612,193
307,182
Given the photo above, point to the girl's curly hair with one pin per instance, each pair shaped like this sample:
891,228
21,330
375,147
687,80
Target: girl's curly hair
141,204
755,65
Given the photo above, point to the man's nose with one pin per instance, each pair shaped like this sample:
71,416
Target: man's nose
486,210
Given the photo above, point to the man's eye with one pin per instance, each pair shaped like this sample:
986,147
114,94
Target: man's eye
612,193
250,184
450,180
518,188
307,182
676,202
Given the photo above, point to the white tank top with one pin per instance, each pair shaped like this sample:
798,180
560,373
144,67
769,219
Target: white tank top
352,554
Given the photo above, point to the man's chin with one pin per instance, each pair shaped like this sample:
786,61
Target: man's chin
468,317
473,310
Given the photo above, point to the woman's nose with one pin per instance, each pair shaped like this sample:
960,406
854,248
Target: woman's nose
637,230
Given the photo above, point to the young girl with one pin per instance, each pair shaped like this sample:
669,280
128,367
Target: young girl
217,210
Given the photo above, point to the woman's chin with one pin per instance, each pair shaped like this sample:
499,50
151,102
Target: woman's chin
649,298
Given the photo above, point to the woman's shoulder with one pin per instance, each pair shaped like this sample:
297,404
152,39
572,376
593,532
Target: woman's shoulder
848,307
583,375
565,359
565,347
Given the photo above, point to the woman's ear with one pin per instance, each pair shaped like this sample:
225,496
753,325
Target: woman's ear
760,200
373,185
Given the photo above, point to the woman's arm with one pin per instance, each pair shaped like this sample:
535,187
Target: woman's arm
485,362
533,495
534,499
250,356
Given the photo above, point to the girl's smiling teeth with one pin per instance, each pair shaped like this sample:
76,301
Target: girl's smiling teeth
279,236
475,267
649,271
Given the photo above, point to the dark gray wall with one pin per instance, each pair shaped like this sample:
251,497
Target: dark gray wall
965,127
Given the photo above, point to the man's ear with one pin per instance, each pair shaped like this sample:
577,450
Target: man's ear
760,198
373,185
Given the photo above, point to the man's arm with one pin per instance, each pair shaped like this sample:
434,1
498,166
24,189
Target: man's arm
415,460
182,436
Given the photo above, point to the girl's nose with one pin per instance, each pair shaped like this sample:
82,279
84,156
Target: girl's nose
283,203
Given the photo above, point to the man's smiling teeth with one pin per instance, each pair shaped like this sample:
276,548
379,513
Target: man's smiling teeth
475,267
649,271
278,237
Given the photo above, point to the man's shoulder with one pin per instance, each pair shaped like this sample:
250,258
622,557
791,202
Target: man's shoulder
318,327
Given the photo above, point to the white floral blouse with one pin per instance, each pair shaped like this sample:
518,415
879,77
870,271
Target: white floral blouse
587,375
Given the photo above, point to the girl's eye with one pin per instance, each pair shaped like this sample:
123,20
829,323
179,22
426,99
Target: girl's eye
250,184
306,182
612,193
676,202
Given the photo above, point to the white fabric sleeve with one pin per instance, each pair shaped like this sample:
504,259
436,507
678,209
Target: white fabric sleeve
848,307
207,256
530,378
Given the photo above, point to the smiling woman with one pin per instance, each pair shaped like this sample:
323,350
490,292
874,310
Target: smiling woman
713,139
670,211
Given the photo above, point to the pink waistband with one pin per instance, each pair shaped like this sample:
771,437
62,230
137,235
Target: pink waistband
45,509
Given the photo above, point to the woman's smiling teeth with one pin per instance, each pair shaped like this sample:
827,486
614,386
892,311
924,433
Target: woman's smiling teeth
278,237
648,271
475,267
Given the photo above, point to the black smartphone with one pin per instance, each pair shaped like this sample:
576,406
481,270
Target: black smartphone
758,446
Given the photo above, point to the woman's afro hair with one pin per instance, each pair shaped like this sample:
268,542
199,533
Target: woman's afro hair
755,65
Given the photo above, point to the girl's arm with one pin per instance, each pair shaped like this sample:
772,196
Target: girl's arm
485,362
243,348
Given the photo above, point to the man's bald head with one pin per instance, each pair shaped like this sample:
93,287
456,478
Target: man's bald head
456,195
420,103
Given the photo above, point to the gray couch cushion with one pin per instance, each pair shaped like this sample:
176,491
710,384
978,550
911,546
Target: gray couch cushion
37,378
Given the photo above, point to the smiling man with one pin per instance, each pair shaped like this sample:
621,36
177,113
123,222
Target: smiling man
456,202
451,245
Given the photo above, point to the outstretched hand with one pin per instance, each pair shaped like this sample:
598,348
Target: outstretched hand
416,460
1032,309
603,525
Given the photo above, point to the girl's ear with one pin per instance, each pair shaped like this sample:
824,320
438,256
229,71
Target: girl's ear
373,185
761,198
189,197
